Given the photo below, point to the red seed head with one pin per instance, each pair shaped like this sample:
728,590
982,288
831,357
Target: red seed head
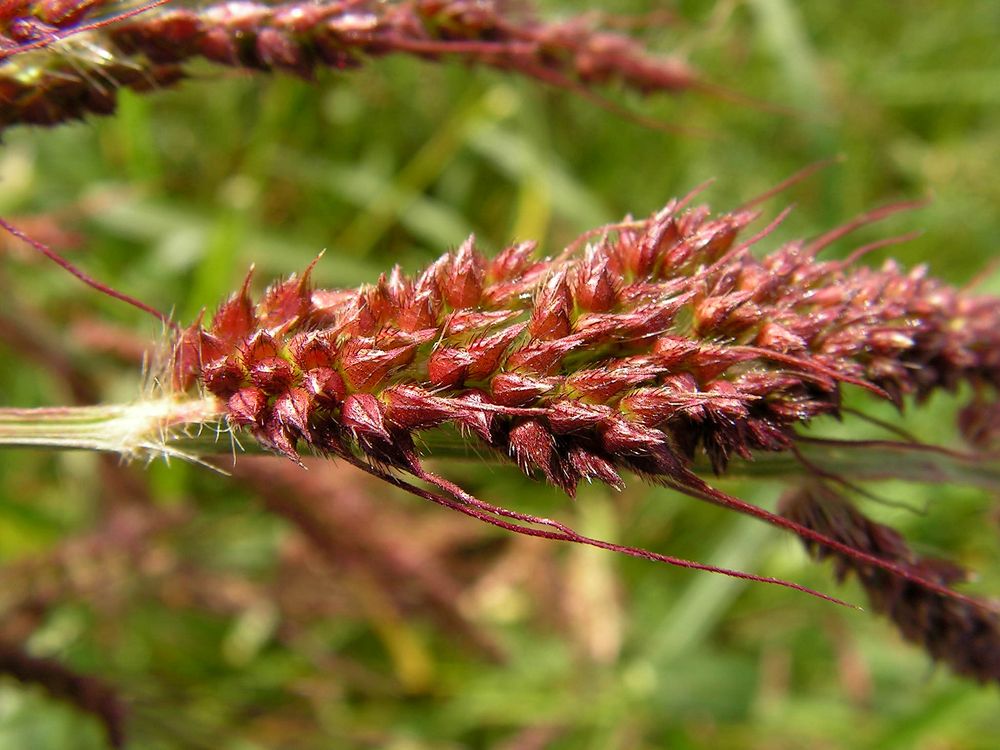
489,351
312,349
423,308
472,413
532,446
277,49
410,408
541,357
600,384
292,410
285,304
218,45
235,319
589,465
569,415
223,376
325,385
365,366
261,345
550,318
247,407
711,315
594,286
193,348
448,367
662,342
271,374
512,261
362,414
61,12
463,277
514,389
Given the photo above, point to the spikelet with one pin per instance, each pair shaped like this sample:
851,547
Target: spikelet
53,72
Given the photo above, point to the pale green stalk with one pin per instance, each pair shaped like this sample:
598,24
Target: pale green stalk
193,428
143,429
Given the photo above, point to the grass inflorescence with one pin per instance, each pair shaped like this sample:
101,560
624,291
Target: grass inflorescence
638,348
61,66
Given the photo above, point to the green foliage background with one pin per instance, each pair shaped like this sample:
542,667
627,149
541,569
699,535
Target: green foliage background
398,162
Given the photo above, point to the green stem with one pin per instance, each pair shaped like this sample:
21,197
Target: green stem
863,461
193,428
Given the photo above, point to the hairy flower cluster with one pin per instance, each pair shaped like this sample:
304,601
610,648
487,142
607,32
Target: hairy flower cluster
636,352
964,637
659,340
79,73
